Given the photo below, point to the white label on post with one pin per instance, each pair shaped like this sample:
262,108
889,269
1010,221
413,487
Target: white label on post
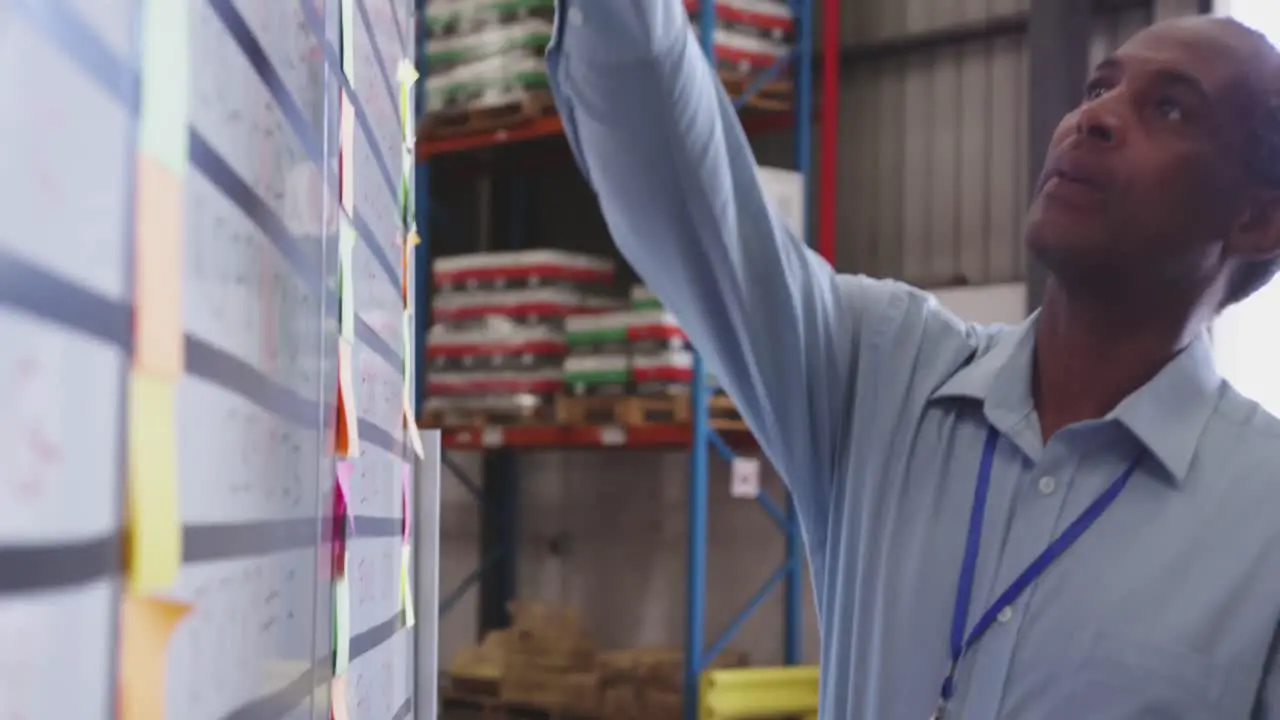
492,437
613,436
744,478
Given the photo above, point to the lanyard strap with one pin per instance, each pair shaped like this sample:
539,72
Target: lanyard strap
960,643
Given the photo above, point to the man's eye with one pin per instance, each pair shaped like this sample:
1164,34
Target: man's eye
1169,109
1094,90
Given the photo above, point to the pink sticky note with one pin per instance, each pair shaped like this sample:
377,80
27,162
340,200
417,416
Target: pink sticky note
405,470
344,469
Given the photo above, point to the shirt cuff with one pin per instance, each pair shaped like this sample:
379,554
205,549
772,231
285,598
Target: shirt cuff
618,30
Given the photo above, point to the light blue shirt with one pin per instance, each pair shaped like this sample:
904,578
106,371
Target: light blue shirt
873,403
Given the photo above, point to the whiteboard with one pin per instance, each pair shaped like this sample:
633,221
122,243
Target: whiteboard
256,397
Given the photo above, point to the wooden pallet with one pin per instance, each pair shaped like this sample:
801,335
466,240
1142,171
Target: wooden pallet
463,707
774,96
509,115
639,410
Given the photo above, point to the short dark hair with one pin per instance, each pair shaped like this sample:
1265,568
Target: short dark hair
1264,160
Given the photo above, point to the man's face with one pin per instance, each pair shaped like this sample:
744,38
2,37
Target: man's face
1142,180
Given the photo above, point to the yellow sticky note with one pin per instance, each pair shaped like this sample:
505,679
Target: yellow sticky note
408,75
338,698
158,239
341,624
349,433
346,278
406,588
166,82
146,626
414,239
155,520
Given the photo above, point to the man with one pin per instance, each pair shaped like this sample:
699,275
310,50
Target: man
1075,518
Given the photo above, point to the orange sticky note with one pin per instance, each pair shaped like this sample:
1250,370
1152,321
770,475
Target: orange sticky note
158,269
349,419
154,517
146,626
338,697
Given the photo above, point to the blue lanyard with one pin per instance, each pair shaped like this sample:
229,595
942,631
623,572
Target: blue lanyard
960,643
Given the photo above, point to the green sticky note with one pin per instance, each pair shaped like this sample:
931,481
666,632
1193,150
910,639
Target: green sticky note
166,83
349,39
341,624
346,278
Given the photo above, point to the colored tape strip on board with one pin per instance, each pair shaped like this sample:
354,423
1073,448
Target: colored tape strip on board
154,542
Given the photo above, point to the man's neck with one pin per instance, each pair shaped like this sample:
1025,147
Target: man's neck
1092,353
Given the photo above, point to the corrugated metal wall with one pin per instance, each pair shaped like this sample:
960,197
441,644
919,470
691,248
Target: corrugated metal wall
933,166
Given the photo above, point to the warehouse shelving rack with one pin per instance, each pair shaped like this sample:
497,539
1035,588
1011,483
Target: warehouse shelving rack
699,437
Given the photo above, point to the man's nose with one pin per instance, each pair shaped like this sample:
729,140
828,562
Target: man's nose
1100,121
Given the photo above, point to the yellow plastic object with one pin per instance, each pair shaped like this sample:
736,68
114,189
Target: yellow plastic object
759,693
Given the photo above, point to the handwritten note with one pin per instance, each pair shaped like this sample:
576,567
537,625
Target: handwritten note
146,626
155,522
158,268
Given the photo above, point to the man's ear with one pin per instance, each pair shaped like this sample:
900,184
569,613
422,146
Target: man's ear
1257,234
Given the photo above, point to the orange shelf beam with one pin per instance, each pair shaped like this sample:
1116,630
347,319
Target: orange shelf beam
669,436
550,126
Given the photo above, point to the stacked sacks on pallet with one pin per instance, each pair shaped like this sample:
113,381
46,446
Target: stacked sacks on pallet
648,683
641,351
496,348
750,37
485,62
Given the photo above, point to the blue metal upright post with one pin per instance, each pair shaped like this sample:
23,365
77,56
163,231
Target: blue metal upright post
696,591
793,597
422,205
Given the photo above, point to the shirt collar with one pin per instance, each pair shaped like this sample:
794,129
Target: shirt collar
1167,415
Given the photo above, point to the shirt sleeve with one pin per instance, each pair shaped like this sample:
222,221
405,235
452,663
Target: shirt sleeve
659,141
1267,705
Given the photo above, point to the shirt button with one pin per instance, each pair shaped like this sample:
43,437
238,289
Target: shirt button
1005,614
1047,484
575,16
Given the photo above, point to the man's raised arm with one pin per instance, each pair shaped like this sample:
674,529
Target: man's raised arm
656,136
